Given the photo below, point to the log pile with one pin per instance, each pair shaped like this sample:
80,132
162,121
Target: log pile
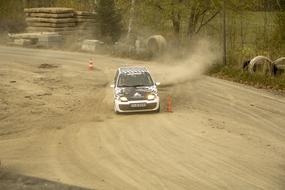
50,19
65,21
86,24
55,27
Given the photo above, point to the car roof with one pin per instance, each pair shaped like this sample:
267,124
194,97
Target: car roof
130,70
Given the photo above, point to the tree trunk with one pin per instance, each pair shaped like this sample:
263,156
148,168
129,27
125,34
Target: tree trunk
176,22
266,41
131,21
192,22
241,30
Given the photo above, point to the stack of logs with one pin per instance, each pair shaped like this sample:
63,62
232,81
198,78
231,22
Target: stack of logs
65,21
86,24
50,19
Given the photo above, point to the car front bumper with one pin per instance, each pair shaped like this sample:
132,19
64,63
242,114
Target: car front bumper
127,107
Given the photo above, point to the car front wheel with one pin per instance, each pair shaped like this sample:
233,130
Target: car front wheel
158,109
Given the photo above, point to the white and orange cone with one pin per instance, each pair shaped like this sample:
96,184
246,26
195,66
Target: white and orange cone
90,65
169,104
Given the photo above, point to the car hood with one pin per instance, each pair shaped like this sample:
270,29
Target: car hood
136,93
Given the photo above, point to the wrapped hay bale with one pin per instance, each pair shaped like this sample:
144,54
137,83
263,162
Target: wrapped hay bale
156,44
279,66
261,64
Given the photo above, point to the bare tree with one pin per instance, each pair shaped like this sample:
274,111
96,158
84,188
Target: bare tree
200,15
131,20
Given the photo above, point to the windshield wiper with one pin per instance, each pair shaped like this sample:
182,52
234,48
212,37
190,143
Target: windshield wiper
125,86
138,85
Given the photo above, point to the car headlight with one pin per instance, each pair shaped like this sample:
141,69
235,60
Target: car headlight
151,97
123,99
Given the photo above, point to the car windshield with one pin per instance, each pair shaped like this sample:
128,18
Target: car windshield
134,80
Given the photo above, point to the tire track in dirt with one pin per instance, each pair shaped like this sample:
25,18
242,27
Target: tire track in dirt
214,139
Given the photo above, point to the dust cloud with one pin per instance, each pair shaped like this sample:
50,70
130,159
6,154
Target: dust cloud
197,61
3,38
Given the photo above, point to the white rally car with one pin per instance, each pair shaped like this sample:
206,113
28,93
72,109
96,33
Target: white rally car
135,91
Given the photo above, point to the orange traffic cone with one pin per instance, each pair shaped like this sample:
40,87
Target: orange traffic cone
169,104
90,66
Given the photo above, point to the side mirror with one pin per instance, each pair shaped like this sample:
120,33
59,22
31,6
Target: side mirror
112,86
157,83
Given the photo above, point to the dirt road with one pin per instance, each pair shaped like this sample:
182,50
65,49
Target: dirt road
57,123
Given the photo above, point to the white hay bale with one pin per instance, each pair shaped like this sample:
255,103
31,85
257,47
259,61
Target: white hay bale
156,44
261,64
279,66
280,63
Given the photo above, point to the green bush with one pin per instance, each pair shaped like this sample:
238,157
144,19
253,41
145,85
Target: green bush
237,75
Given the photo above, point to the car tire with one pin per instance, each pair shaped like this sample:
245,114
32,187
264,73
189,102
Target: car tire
115,109
158,109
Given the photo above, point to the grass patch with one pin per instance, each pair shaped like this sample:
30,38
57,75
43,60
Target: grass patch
257,80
